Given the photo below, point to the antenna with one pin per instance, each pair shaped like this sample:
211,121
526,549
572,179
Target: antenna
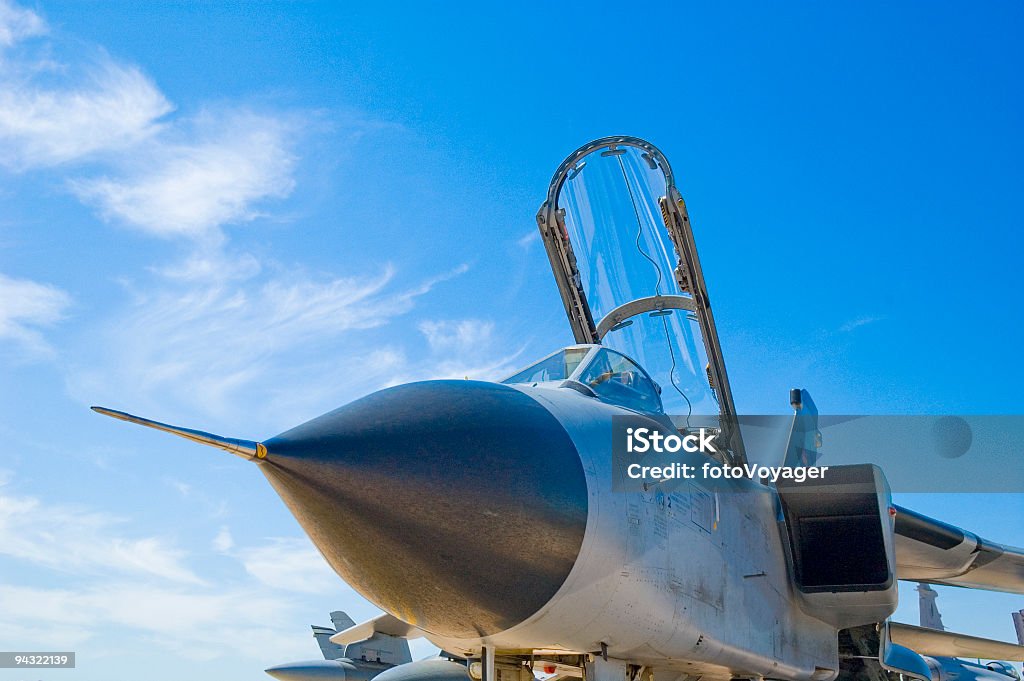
246,449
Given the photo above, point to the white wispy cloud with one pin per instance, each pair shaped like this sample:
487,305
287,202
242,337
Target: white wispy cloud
289,564
26,307
18,23
110,107
858,322
528,239
217,175
182,488
169,176
223,542
460,336
195,623
140,586
54,113
463,348
211,342
71,539
205,265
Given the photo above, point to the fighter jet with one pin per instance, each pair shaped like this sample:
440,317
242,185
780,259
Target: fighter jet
941,652
492,517
357,661
355,658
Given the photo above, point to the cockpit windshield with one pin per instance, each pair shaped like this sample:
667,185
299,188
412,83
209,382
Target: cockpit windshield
598,372
556,367
617,379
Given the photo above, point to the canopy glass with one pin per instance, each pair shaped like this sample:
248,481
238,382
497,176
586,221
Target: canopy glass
623,252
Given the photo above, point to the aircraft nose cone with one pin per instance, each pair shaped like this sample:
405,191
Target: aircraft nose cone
312,670
458,506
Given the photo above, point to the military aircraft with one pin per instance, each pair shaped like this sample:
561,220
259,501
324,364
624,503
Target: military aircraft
364,659
493,518
357,661
940,653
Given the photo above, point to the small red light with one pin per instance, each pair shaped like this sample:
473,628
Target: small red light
892,511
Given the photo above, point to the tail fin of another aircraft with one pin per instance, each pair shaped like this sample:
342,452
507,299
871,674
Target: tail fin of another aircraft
930,616
332,651
341,621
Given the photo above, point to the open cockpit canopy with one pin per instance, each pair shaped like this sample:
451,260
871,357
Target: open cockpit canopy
618,237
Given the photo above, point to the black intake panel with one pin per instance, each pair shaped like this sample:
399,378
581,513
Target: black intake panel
837,529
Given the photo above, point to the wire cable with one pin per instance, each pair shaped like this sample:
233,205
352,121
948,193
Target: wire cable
657,291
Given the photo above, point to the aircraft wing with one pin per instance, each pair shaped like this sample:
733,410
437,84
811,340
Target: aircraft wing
382,624
929,550
949,644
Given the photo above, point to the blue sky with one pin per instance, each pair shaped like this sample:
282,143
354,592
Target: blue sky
239,216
